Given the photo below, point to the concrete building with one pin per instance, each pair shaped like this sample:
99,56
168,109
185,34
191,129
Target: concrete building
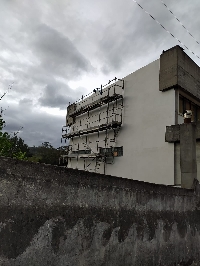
119,129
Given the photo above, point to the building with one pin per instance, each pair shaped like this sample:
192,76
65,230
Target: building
119,129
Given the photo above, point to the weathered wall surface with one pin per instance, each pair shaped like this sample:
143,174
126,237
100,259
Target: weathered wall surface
178,70
57,216
173,135
177,162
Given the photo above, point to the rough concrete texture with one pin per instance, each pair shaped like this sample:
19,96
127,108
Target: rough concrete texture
188,161
178,70
172,133
57,216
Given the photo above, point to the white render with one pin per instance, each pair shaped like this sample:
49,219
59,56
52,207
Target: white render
146,112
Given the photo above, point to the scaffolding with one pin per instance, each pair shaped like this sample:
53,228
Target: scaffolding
112,103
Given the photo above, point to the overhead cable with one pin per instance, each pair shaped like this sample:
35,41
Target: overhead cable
166,29
179,22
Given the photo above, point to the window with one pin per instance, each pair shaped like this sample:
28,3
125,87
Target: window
82,152
111,152
198,114
185,104
180,105
194,110
118,151
105,151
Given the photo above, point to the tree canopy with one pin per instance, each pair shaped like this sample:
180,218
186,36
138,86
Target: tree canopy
13,147
46,153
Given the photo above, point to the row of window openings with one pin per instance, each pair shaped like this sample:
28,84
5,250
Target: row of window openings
111,112
99,118
113,151
118,118
112,109
185,104
118,104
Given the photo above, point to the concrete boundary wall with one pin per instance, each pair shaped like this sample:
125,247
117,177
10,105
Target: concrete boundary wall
57,216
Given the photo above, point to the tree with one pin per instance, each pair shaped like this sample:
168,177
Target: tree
49,154
19,145
5,144
45,153
46,145
8,146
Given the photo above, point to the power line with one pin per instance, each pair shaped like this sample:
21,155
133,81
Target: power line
165,29
179,22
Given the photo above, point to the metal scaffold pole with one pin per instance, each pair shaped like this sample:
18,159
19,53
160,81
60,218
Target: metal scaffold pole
107,101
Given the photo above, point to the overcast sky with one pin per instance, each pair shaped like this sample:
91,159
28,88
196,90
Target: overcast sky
53,51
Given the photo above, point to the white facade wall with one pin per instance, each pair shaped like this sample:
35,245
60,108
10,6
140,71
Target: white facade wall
146,113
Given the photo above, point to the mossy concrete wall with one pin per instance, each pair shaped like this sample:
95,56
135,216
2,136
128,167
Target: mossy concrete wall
62,217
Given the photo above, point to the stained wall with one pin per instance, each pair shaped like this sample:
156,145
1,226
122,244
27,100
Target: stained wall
52,215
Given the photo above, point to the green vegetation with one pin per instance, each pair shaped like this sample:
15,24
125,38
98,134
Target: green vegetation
46,154
13,147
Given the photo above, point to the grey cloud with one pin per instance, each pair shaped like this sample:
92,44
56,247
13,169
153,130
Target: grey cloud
25,101
57,53
105,70
12,127
58,94
37,126
137,35
53,98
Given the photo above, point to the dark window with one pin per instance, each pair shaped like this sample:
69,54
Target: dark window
185,104
105,151
194,110
180,105
113,151
118,151
82,152
198,114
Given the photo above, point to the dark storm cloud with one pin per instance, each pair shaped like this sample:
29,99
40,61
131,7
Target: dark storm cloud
57,94
37,126
57,54
52,97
